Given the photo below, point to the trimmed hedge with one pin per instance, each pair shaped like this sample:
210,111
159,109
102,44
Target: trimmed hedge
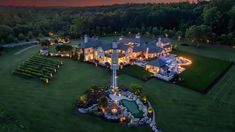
38,67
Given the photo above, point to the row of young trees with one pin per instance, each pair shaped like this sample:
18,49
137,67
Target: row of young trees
214,21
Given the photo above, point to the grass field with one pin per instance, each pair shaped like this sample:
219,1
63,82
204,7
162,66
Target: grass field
50,108
136,71
203,72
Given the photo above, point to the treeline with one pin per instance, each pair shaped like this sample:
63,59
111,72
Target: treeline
201,23
22,24
145,19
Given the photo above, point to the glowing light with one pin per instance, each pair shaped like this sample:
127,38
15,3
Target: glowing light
122,119
46,81
185,60
102,109
150,110
179,37
114,110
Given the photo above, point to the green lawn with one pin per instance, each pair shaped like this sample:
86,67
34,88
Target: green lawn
137,72
203,72
50,108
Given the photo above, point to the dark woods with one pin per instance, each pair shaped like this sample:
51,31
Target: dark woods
202,22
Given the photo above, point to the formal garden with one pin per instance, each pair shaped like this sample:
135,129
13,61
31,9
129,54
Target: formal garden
51,107
39,68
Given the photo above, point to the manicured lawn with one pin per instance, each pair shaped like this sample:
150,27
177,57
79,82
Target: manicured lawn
50,108
8,122
136,71
203,72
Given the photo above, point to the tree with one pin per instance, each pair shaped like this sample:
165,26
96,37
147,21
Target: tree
64,48
179,35
103,102
30,35
21,37
155,31
198,34
137,89
45,42
1,50
232,21
2,41
10,38
211,16
5,31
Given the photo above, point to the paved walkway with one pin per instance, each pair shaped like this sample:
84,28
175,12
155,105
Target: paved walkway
12,45
25,49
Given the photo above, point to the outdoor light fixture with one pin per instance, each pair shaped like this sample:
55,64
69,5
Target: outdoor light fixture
114,110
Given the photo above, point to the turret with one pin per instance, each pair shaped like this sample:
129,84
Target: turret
115,56
86,38
158,44
137,36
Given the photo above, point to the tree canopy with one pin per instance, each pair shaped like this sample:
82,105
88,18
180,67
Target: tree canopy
172,20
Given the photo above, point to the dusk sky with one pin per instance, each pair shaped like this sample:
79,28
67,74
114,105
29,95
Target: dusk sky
77,2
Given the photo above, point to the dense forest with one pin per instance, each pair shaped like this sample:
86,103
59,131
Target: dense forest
206,21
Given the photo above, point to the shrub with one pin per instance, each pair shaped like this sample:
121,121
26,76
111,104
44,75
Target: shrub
137,89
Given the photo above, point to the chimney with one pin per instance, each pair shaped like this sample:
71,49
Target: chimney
114,45
121,38
159,42
86,38
147,53
137,36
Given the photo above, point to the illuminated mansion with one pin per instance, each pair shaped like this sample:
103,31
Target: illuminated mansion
128,49
153,55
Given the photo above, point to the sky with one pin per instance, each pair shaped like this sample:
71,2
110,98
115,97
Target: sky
77,2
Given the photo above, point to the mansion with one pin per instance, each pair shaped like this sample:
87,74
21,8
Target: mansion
153,55
129,49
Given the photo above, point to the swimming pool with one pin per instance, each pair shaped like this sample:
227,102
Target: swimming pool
132,107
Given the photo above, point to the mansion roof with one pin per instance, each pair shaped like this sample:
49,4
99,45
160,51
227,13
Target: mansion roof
139,44
157,63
